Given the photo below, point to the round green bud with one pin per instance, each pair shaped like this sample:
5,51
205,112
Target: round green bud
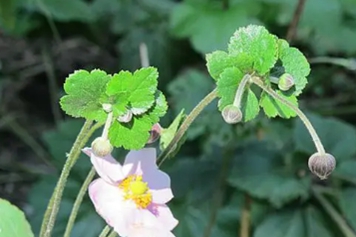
126,117
231,114
322,164
286,81
101,147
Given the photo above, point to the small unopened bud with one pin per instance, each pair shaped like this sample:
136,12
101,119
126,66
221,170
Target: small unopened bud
154,133
126,117
107,108
322,164
232,114
101,147
286,81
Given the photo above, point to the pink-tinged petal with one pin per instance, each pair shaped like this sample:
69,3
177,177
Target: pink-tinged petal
109,203
160,186
164,215
107,167
145,224
137,162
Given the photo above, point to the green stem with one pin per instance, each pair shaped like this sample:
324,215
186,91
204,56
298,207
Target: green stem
240,90
186,123
53,206
107,126
112,234
105,231
345,229
344,62
245,218
78,202
319,146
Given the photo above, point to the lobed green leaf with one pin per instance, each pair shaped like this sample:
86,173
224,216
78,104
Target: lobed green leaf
274,108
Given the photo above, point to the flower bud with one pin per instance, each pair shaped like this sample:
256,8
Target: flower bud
322,164
107,108
101,147
232,114
155,133
286,81
126,117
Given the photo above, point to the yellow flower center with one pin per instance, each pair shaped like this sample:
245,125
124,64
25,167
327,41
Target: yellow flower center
136,190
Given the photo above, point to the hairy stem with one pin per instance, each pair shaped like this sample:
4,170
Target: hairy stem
245,218
319,146
112,234
240,90
107,126
105,231
186,123
54,203
78,202
294,23
345,229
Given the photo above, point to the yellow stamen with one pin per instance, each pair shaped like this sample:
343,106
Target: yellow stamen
136,190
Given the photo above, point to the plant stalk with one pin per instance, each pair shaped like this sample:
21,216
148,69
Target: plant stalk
345,229
105,231
54,203
240,90
319,146
78,202
186,123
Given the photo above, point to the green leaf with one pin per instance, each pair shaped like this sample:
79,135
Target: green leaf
257,42
257,170
273,108
64,10
295,64
190,20
218,61
347,205
346,169
337,137
13,221
135,134
85,90
307,222
167,134
227,87
138,90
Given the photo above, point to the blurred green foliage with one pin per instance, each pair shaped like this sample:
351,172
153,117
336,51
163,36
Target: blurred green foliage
260,165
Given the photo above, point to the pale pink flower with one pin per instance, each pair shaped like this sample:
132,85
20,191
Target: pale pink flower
131,198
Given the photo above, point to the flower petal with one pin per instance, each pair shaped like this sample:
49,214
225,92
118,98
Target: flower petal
145,223
107,167
160,186
165,216
137,161
109,203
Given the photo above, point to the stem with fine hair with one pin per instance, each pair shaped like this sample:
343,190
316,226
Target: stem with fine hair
105,231
53,206
240,90
345,229
113,234
78,202
186,123
319,146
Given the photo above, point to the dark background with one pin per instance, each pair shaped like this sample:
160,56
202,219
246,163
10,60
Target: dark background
259,167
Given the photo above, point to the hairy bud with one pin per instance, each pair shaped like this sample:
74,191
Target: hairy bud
101,147
155,133
231,114
322,164
126,117
286,81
